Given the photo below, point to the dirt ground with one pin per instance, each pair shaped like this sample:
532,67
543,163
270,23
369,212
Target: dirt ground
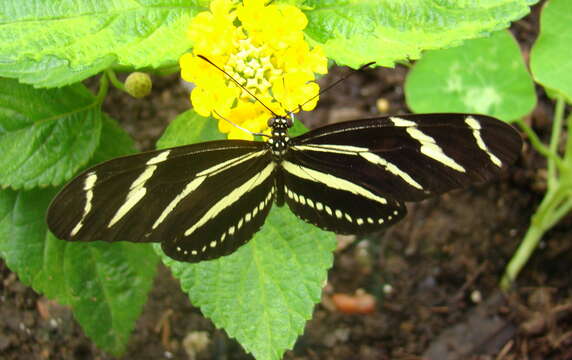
434,275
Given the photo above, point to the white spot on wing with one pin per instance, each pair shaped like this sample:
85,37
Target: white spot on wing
310,203
338,214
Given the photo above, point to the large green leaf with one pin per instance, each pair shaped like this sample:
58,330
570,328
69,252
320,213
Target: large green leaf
45,135
356,32
26,245
50,44
486,76
105,284
551,56
264,293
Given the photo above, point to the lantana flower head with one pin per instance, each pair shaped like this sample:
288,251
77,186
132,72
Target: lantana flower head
263,48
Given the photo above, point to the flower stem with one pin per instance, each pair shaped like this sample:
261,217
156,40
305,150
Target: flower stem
568,152
521,256
537,143
103,88
556,203
114,80
555,139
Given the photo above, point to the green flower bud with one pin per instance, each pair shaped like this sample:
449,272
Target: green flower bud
138,84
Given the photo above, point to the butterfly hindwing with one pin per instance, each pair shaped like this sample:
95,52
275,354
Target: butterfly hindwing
222,216
336,204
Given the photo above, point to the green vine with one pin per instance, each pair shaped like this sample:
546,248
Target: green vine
558,199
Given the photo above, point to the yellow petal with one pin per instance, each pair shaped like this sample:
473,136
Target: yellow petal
201,102
295,16
239,135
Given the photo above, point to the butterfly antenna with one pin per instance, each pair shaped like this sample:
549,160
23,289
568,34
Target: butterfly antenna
240,127
335,83
239,84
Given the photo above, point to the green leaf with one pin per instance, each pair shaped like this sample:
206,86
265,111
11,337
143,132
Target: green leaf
51,45
297,129
187,128
108,284
26,245
551,55
50,71
114,142
105,284
356,32
45,135
486,76
264,293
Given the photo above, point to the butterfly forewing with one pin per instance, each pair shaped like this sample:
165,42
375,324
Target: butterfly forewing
410,157
132,198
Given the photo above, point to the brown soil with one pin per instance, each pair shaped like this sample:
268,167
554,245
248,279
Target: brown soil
434,275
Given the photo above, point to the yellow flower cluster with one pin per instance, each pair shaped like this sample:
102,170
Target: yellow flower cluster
263,48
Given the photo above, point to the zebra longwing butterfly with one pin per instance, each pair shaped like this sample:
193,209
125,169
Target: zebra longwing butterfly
205,200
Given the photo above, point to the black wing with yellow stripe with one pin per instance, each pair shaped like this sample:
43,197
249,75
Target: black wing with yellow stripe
204,201
353,177
200,201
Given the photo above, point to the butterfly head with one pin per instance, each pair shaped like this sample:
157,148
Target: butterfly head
279,140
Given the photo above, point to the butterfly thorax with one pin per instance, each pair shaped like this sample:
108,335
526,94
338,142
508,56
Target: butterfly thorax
279,140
